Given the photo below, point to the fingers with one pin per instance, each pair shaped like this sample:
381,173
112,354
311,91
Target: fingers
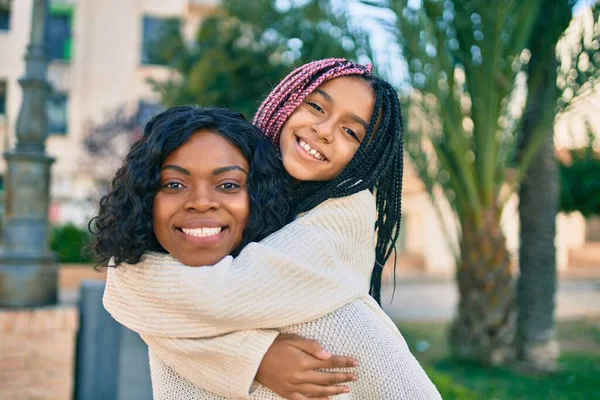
314,348
334,362
324,378
299,396
317,391
340,362
309,346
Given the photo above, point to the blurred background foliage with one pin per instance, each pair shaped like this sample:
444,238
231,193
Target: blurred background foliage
580,179
69,243
242,51
467,64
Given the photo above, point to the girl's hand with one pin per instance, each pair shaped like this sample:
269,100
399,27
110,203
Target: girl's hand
290,369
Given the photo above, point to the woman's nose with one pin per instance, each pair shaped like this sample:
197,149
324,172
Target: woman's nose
202,199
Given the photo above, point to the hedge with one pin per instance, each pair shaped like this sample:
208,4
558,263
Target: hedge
69,242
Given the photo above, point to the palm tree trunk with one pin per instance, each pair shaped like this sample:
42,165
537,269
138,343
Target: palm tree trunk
483,330
537,347
536,287
538,204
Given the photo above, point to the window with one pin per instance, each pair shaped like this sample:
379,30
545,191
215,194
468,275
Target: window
56,107
156,31
5,15
2,98
58,34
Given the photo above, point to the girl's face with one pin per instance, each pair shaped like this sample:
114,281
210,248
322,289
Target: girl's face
322,135
201,210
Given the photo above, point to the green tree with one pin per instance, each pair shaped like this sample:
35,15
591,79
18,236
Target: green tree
242,51
466,63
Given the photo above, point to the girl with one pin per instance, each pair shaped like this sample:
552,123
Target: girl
338,129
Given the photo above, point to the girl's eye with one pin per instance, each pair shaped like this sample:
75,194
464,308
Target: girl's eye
173,185
315,106
352,133
229,186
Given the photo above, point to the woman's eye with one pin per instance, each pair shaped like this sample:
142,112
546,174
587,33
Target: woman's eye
315,106
173,185
229,186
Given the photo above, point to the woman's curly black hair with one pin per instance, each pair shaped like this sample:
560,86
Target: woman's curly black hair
123,227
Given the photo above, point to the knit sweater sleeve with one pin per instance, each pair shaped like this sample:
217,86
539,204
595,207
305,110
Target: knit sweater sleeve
309,268
224,365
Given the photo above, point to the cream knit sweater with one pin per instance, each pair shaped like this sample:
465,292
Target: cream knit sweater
210,327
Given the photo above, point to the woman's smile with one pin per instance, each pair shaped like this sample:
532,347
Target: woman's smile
202,232
202,237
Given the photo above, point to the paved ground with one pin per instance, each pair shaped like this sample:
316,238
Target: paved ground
435,299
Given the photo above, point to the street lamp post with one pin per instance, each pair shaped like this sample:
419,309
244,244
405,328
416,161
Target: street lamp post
28,269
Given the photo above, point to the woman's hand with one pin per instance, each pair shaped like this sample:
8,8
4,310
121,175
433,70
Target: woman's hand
290,369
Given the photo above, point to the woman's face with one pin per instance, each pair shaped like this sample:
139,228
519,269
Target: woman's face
322,135
201,210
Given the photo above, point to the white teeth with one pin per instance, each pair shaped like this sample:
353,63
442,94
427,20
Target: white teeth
310,150
202,232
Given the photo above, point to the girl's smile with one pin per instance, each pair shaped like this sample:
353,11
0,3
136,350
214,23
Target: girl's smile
310,150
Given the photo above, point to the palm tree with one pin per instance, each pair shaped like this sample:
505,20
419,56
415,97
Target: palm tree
466,61
539,192
538,199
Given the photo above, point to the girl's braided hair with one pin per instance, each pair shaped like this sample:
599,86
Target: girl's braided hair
377,164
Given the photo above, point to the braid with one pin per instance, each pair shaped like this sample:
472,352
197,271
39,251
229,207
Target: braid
377,164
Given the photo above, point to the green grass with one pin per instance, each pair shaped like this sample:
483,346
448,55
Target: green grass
579,377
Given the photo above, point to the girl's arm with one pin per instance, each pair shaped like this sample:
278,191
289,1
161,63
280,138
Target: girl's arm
225,365
309,268
232,365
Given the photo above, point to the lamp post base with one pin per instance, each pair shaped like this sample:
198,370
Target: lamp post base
28,280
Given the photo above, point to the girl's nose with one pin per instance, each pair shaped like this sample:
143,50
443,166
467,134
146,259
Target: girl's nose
325,130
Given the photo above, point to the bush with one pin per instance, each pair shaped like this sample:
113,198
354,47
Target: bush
69,242
580,181
450,390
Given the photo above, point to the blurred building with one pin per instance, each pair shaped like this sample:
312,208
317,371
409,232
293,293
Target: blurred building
100,64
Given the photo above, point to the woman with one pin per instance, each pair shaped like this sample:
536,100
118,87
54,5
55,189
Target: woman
194,172
338,129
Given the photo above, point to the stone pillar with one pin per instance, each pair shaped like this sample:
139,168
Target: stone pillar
28,270
112,361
